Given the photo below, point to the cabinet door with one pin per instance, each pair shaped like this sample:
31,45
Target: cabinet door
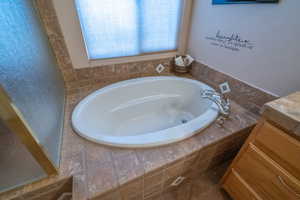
238,188
268,179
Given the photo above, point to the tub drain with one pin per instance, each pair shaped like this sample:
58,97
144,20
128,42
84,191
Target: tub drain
183,121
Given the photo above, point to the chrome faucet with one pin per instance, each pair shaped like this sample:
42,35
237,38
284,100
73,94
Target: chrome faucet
222,102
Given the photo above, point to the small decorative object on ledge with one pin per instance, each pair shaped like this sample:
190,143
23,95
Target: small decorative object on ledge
242,1
182,64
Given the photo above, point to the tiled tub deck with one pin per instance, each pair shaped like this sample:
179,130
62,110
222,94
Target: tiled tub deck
111,173
107,173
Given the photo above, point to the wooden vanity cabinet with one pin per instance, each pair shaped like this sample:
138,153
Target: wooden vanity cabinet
266,168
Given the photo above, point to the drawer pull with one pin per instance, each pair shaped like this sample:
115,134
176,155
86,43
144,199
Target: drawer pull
287,186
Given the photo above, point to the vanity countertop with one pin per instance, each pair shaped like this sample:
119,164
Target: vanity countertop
285,112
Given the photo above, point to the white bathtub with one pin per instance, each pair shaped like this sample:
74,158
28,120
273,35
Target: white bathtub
144,112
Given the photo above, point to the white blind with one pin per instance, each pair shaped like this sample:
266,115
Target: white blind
116,28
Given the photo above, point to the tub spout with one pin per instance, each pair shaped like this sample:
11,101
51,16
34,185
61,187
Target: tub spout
222,102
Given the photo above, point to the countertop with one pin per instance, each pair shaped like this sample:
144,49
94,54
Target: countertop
285,112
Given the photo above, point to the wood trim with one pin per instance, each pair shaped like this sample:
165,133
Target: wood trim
244,184
128,59
185,26
14,120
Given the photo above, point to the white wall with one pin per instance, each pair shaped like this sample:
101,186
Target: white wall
274,62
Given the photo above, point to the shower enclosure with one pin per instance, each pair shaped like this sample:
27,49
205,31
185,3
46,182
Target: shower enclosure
32,97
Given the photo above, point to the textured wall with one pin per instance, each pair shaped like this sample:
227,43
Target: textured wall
274,29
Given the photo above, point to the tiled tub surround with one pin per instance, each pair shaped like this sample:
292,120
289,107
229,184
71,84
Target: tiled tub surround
101,172
112,173
244,94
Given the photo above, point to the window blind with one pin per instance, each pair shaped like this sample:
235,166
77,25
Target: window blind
117,28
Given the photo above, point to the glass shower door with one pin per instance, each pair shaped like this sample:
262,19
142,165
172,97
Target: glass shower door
32,94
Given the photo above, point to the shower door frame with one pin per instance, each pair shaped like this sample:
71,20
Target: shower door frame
15,121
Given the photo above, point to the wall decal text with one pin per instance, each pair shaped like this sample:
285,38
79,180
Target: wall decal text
233,42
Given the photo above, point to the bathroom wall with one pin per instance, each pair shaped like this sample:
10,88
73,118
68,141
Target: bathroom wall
269,59
29,74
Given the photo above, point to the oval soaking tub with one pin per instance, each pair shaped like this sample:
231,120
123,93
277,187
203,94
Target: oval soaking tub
144,112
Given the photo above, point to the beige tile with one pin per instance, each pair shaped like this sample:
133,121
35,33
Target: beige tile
172,173
111,195
101,177
134,197
205,157
174,170
128,167
190,161
154,178
72,163
239,119
154,197
172,153
97,152
213,194
203,186
153,191
79,187
191,145
168,196
152,159
133,189
117,152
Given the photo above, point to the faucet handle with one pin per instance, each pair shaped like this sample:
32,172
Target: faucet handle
209,93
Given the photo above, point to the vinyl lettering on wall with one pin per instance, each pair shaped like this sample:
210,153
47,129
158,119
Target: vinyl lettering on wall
233,41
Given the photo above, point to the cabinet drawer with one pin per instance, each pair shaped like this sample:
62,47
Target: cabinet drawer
266,177
281,147
237,187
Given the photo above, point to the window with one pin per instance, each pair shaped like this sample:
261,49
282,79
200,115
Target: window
116,28
105,31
